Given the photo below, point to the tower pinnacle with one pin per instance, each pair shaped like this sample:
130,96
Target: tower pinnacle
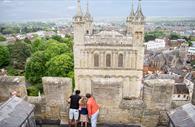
79,11
139,10
87,14
132,14
132,10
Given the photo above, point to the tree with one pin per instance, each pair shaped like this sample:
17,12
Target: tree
192,38
19,52
45,51
10,30
2,38
68,40
57,38
189,43
4,56
54,48
38,45
60,66
35,67
174,36
149,37
50,58
152,35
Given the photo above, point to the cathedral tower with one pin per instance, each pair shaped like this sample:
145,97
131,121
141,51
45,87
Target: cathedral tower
79,32
108,60
88,21
138,27
130,19
78,24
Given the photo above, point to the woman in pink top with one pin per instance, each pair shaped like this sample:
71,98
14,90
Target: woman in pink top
93,109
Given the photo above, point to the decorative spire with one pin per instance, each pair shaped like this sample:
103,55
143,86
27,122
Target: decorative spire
79,11
87,10
132,10
87,14
139,10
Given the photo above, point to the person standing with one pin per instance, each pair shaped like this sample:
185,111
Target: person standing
83,111
93,110
74,108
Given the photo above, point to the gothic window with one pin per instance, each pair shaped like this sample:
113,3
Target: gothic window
87,32
120,60
108,60
96,60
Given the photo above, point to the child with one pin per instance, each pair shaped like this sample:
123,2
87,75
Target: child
83,111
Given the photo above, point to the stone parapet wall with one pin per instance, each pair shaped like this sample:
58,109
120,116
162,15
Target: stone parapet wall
148,111
176,104
40,105
56,91
9,84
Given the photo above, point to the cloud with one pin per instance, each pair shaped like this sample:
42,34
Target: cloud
7,1
71,7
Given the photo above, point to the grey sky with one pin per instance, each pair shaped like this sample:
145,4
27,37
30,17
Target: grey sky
19,10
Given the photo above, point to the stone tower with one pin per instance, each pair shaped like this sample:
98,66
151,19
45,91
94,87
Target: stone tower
108,62
88,21
79,32
135,24
130,20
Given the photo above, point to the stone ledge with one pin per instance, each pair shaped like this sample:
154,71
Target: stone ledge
129,104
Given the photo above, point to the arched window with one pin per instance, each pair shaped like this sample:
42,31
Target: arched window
87,32
108,60
120,60
96,60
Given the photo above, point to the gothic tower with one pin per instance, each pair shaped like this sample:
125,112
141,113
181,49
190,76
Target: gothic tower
79,32
108,59
135,24
138,26
88,21
78,24
130,19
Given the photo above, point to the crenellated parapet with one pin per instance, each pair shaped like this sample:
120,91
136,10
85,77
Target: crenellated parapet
112,38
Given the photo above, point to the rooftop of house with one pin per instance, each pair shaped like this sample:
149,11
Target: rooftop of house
183,116
14,112
159,76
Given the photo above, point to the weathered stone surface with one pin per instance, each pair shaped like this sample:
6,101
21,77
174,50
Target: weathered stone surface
57,91
107,92
132,104
157,97
158,93
9,84
176,104
40,105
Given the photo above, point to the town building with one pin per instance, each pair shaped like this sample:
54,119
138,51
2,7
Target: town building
183,116
181,92
156,44
16,112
